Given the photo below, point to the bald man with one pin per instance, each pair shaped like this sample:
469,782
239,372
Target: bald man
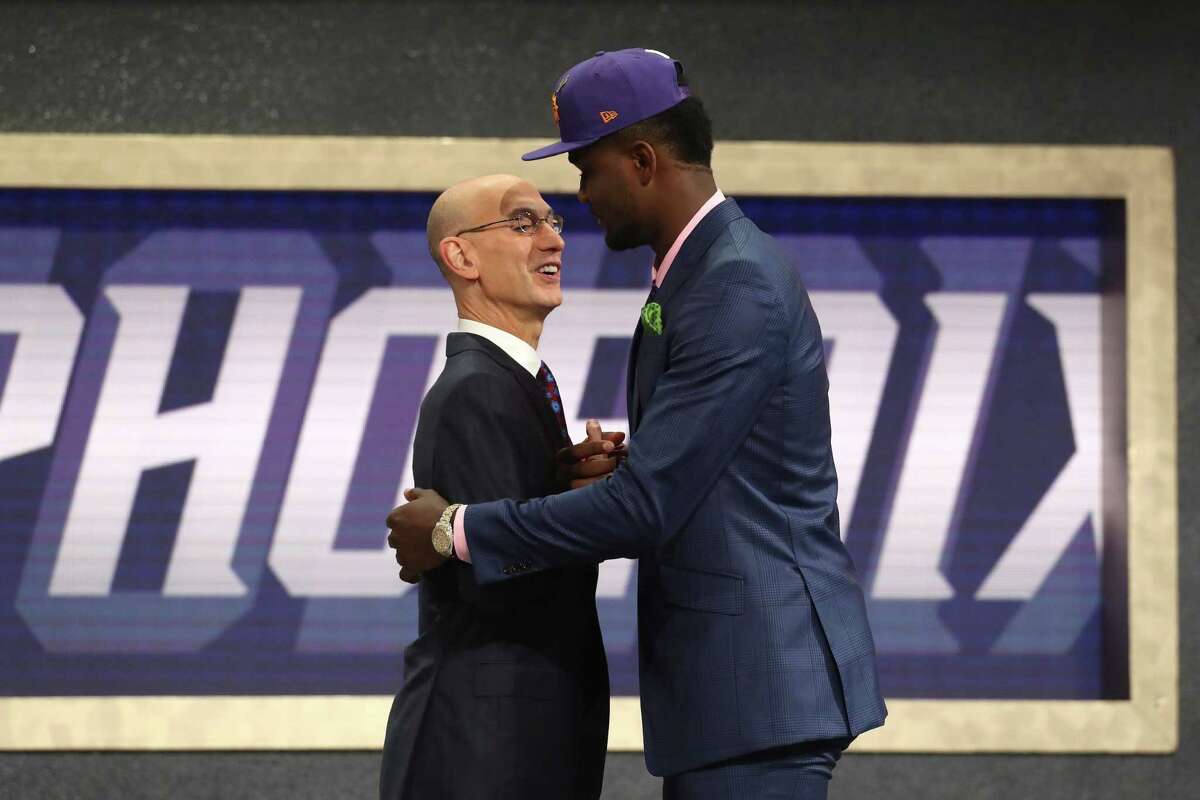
506,688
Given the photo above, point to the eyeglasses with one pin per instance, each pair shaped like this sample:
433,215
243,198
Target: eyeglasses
523,222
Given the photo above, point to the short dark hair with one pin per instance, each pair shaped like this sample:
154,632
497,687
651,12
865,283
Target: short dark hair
684,128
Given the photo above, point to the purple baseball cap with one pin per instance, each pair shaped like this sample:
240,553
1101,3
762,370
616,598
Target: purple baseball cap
608,92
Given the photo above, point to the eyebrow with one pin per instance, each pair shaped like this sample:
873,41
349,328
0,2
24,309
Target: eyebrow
534,212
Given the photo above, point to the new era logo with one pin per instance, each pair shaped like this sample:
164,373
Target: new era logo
607,116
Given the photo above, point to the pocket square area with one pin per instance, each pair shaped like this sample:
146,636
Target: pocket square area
652,317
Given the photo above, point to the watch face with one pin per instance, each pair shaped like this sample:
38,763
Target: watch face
442,540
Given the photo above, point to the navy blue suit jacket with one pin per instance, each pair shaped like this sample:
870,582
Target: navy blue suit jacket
753,629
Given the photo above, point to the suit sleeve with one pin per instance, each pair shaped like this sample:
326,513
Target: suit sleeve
482,447
725,356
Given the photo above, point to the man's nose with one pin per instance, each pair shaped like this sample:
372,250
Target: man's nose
550,239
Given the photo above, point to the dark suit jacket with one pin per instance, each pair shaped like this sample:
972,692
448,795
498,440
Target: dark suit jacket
506,688
753,630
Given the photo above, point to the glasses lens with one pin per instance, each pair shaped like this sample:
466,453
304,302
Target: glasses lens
525,222
556,222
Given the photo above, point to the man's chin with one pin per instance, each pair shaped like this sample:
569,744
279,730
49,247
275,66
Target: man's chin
620,240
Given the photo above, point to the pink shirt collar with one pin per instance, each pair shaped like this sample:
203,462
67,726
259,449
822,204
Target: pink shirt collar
660,273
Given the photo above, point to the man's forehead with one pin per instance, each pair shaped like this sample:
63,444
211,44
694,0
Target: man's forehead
522,195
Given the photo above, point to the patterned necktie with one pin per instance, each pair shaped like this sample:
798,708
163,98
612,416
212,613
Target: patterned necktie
550,389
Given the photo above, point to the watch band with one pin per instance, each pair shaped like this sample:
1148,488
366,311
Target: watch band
452,509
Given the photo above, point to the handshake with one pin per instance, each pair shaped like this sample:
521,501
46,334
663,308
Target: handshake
410,525
593,459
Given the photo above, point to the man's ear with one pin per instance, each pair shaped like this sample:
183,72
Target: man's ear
645,161
460,257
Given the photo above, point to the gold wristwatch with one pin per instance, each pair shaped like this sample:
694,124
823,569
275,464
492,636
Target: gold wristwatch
443,532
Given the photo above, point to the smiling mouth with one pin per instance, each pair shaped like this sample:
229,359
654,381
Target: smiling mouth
548,269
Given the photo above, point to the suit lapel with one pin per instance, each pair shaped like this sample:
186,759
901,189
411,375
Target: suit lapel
631,403
458,342
647,354
694,249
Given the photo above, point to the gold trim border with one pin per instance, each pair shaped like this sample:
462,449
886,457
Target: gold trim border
1142,176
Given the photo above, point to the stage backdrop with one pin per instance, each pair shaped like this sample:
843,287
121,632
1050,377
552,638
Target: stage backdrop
212,354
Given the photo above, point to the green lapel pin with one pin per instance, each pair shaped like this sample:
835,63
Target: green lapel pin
652,317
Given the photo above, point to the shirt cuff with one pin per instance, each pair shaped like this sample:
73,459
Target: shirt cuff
461,551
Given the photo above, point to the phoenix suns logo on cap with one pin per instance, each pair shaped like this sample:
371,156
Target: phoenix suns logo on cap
607,116
554,97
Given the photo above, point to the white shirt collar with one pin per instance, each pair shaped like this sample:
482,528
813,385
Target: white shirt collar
515,348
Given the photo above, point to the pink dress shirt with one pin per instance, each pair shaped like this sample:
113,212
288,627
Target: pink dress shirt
658,274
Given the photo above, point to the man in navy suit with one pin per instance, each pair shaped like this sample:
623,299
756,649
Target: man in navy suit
756,656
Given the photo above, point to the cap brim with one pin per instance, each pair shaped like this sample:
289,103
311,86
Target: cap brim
555,149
